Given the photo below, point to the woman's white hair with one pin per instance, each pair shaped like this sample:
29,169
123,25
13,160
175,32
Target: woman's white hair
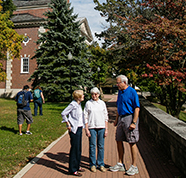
123,78
95,90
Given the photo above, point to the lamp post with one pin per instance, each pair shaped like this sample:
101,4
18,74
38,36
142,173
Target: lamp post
70,59
98,77
99,80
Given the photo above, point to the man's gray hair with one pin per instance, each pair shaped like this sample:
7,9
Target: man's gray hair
95,90
123,78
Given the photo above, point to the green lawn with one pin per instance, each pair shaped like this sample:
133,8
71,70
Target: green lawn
16,151
182,115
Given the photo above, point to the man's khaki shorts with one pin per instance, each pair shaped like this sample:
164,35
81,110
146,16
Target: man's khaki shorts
123,133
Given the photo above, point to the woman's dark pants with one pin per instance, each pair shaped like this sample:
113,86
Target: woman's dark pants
75,150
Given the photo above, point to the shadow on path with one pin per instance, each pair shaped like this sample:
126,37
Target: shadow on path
157,162
58,162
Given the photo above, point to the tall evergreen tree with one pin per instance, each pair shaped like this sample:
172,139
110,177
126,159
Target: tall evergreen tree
55,72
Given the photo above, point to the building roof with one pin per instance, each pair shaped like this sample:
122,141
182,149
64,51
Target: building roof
26,17
28,20
22,3
85,29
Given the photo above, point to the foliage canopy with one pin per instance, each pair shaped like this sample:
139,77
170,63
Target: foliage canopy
10,40
154,47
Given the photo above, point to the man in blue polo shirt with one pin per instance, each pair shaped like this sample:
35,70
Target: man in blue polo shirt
25,112
128,107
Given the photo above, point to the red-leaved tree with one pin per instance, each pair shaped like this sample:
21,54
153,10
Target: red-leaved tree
159,47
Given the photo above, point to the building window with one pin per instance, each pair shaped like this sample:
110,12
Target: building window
25,65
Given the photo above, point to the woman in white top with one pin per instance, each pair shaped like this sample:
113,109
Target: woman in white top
96,128
74,123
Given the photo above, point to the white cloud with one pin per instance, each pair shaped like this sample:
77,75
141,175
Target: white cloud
85,8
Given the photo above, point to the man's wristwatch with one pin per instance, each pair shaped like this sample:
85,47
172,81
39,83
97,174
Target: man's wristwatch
133,122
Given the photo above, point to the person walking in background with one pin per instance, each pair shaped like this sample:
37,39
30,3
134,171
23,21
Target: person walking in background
23,99
38,100
128,107
75,123
96,128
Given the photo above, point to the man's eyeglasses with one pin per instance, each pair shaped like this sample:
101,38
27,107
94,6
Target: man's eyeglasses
118,83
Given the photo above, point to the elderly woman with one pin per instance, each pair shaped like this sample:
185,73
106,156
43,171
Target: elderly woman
96,128
75,124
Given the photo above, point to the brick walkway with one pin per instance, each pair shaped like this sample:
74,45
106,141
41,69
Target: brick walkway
53,161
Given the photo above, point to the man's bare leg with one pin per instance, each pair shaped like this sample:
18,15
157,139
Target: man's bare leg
133,148
20,128
120,148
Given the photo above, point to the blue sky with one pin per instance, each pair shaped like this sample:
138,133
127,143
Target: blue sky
85,8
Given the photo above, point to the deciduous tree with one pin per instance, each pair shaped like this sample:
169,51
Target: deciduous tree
113,32
161,49
99,64
10,41
8,6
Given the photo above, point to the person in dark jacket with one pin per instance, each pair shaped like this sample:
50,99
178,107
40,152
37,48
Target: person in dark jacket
24,112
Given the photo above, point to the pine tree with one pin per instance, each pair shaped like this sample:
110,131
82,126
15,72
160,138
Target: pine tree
55,72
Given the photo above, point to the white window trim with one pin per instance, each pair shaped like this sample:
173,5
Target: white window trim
22,65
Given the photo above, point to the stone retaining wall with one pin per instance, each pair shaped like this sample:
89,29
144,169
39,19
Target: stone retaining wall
167,130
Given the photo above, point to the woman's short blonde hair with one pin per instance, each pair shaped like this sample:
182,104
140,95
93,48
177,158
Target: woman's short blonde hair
77,94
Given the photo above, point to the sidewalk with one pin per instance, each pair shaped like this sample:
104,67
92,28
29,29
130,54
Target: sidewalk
53,161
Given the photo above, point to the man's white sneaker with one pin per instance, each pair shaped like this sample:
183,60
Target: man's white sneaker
132,170
118,167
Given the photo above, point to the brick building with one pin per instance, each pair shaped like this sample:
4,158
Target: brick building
28,21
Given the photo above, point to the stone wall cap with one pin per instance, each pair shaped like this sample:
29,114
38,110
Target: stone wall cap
176,125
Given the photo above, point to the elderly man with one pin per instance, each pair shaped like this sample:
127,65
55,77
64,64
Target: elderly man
127,124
